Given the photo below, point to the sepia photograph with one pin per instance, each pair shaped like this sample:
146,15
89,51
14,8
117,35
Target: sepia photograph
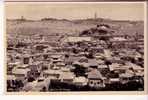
75,47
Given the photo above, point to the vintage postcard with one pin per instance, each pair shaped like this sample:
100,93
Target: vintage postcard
76,47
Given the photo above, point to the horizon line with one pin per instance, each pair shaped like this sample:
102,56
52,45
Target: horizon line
52,18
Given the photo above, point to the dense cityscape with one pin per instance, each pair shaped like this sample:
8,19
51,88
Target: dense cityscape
93,59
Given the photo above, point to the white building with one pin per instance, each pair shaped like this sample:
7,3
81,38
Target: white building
76,39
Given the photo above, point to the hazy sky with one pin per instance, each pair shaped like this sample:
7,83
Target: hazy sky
118,11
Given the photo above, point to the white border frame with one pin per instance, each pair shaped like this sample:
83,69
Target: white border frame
82,93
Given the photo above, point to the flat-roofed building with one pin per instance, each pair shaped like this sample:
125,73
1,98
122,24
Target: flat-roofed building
80,81
67,77
52,73
95,79
20,74
72,39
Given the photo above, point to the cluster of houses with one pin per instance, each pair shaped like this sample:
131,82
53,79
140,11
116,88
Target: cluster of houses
94,60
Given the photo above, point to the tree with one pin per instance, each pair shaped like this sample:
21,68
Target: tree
79,70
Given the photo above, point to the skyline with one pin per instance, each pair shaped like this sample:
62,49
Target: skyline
71,11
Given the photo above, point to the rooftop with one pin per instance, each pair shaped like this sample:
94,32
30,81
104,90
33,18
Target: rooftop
95,74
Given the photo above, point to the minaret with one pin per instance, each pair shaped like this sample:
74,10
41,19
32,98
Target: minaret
95,15
22,18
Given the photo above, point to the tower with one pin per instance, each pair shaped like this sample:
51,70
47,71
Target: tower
22,17
95,15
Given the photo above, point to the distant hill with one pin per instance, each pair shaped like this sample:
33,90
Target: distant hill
64,26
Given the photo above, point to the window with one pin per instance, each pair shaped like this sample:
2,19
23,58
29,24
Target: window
98,82
40,80
91,82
